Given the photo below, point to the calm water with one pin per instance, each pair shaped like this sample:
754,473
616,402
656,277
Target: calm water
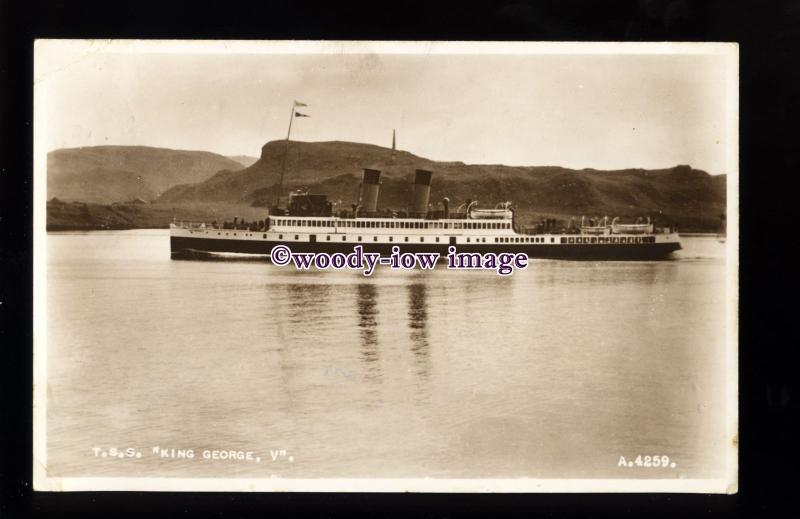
555,371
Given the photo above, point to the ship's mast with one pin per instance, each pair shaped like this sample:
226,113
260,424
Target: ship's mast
293,114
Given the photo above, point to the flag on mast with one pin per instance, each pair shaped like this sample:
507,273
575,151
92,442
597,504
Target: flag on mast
394,148
298,103
298,114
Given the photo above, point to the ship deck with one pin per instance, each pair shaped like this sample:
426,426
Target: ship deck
193,240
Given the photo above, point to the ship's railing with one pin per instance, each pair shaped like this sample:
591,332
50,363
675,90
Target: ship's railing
598,230
249,226
646,228
182,224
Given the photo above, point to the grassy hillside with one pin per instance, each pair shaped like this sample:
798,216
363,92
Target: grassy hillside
106,174
689,197
69,216
244,160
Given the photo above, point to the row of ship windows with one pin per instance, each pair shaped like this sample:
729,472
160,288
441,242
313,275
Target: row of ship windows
610,239
344,238
391,238
522,239
422,239
362,224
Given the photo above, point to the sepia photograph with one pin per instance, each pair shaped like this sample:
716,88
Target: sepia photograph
337,266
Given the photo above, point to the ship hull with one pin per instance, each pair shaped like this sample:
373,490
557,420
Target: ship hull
187,247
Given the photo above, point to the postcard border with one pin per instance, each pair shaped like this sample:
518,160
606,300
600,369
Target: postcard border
43,482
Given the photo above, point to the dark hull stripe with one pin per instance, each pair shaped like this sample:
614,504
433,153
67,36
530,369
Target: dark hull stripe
183,247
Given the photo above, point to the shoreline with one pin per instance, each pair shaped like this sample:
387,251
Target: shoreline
81,216
78,229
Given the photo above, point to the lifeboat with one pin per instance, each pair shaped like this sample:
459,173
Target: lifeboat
632,228
595,227
502,212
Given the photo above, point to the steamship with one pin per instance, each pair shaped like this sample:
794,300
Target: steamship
310,223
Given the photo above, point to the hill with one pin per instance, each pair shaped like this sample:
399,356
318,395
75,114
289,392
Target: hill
244,160
81,216
690,197
106,174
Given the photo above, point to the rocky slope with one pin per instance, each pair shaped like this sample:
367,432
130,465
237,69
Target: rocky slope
107,174
682,194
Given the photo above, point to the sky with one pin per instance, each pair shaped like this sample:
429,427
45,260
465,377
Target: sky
602,111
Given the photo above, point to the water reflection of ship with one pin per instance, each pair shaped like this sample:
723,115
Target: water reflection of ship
418,326
368,328
366,307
